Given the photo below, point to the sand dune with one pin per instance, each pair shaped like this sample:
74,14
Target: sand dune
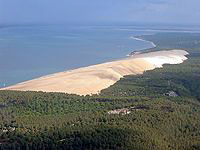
92,79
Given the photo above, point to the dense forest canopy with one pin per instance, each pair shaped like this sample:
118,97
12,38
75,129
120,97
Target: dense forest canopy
164,106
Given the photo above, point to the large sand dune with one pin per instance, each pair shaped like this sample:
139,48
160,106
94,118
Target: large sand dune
92,79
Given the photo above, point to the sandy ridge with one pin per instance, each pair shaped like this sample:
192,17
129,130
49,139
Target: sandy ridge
92,79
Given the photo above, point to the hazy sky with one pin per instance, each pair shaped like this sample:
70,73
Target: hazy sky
69,11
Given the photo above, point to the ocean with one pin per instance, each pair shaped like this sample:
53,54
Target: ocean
28,52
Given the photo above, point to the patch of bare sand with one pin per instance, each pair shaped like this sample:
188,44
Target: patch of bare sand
92,79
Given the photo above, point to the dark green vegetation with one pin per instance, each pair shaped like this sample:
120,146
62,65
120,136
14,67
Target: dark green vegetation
37,120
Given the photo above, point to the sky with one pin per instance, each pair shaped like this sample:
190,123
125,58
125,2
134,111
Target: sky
99,11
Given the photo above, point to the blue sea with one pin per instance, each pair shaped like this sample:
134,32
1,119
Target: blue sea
28,52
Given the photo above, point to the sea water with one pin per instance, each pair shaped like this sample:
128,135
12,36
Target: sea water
28,52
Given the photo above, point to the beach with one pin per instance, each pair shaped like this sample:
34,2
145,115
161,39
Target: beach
92,79
50,49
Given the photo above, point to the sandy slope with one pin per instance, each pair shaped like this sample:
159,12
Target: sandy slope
92,79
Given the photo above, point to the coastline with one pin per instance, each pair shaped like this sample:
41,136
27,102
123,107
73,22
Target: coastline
47,57
92,79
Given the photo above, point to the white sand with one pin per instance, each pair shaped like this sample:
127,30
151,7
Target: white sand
92,79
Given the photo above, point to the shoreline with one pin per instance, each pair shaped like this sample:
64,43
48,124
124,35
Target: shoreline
5,84
92,79
9,81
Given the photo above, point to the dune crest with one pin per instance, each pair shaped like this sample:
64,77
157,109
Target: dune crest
92,79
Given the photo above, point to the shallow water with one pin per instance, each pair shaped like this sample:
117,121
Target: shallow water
27,52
